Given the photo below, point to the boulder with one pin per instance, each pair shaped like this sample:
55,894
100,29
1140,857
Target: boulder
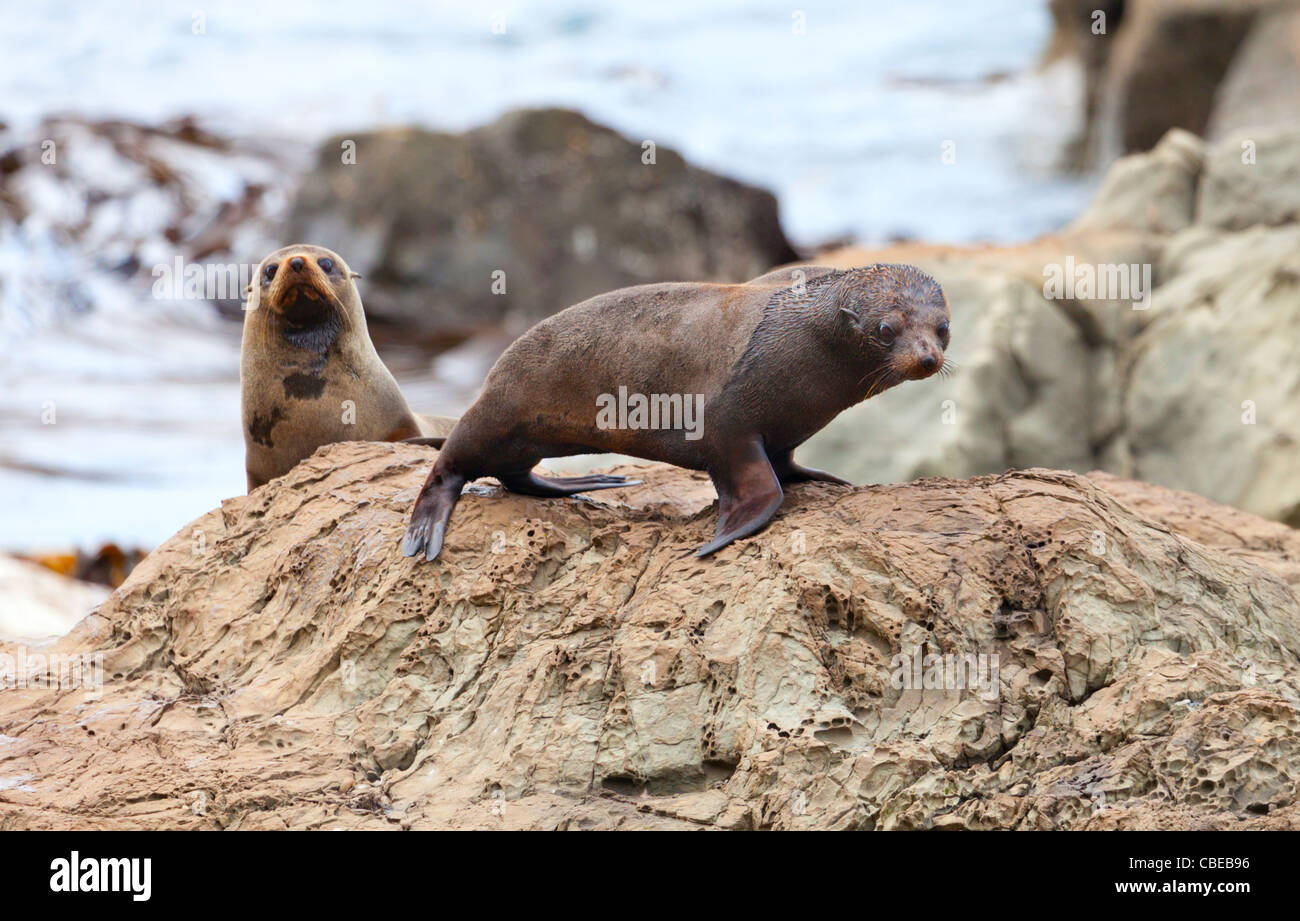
1152,192
1251,177
1206,66
1166,64
1262,85
1077,34
1196,389
565,208
1212,385
1023,394
570,664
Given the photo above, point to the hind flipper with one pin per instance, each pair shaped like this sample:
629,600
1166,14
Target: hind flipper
749,494
787,471
432,441
432,511
530,484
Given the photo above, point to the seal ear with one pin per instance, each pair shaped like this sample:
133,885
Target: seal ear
354,274
855,320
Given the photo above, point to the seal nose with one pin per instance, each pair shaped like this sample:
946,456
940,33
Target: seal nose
929,362
296,263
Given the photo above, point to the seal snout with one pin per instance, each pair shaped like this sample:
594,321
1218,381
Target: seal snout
923,360
300,293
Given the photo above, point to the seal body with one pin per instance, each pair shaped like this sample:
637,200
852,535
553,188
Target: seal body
309,374
771,362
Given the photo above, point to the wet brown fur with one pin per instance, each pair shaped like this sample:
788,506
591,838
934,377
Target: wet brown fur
776,359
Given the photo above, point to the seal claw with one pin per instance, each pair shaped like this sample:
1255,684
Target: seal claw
413,543
434,546
433,508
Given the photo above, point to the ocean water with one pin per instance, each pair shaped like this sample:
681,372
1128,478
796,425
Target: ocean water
845,120
845,111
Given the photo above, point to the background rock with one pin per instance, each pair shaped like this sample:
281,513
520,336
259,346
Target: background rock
1262,85
40,605
1168,59
564,207
1206,66
1251,178
296,671
1215,376
1161,393
1152,192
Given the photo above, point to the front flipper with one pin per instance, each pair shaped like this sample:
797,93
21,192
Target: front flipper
787,471
530,484
432,511
749,494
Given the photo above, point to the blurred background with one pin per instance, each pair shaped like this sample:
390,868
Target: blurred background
513,137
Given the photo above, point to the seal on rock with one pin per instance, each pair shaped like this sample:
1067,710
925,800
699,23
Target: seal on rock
770,362
308,373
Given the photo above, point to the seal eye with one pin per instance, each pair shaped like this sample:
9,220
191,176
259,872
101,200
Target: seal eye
327,264
942,330
270,270
886,334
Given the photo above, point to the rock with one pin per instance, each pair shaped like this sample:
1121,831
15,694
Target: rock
1214,377
1151,192
1206,66
298,672
1251,178
1022,395
564,207
1168,59
1078,33
1166,394
40,605
1262,86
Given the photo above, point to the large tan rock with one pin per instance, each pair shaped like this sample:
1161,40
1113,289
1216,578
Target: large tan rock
1196,388
570,664
1037,383
1153,192
1212,386
1251,177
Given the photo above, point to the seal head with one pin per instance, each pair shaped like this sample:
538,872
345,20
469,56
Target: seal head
308,296
900,317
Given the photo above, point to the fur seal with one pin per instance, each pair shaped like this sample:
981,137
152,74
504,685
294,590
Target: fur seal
308,373
772,361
